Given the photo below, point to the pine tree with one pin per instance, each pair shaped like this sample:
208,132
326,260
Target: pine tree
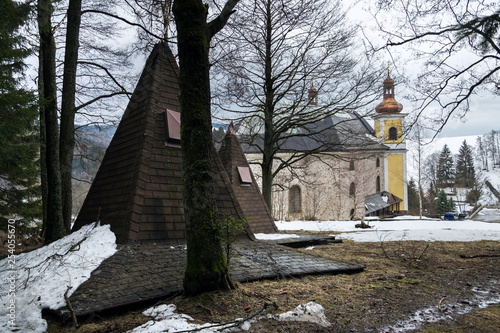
442,205
19,190
446,170
465,172
451,206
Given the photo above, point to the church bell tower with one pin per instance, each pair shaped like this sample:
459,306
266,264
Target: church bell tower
389,130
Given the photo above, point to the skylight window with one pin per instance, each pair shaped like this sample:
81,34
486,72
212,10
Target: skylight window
245,176
173,127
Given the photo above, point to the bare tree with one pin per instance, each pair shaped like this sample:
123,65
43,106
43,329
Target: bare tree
458,43
54,225
206,267
418,143
87,82
284,66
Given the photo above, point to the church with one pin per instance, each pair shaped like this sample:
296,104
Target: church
362,173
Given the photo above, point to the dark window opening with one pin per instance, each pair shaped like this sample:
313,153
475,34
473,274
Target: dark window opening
351,165
393,133
351,214
295,200
352,189
377,184
377,163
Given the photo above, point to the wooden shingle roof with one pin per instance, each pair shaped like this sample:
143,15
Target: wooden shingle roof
138,187
244,185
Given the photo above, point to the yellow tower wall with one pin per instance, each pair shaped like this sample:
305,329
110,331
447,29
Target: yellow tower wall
377,129
398,123
396,179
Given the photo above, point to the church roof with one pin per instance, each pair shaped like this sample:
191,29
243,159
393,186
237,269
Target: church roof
138,187
339,132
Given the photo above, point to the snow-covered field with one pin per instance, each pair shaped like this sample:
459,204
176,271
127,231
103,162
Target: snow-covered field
40,279
403,228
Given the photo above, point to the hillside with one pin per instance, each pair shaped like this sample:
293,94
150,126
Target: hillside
487,168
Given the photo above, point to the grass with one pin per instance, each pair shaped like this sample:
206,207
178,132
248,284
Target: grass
389,289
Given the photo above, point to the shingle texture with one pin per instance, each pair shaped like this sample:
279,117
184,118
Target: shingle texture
251,201
146,272
138,188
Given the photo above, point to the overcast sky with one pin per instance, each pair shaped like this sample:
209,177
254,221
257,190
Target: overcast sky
484,114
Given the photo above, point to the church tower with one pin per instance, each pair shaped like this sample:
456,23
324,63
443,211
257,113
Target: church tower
389,130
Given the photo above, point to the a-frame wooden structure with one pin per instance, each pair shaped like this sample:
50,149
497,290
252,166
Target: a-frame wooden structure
138,188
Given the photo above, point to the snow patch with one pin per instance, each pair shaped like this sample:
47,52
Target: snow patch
42,277
403,228
167,321
483,299
311,312
275,236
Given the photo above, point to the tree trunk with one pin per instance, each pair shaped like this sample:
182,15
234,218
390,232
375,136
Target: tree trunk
267,176
43,146
67,137
206,267
269,131
54,228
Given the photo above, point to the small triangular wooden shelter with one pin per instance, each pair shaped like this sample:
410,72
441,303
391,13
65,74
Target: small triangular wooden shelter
138,187
244,185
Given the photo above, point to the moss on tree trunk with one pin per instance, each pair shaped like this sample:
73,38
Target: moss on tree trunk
206,267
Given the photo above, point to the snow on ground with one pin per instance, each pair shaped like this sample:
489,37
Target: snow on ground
39,279
403,228
275,236
165,320
488,215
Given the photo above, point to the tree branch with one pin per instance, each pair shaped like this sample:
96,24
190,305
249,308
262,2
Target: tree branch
101,97
123,20
220,21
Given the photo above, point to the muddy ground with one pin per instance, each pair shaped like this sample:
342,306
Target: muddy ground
400,281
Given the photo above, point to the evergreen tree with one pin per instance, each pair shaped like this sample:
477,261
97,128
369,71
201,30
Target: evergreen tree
465,173
19,190
451,206
445,168
442,204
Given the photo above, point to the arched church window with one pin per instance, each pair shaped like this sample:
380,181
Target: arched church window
351,165
295,199
377,184
377,163
393,133
352,189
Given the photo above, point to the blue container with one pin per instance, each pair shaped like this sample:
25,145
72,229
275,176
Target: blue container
450,216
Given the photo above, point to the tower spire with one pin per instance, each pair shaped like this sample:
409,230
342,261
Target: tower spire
389,103
312,94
